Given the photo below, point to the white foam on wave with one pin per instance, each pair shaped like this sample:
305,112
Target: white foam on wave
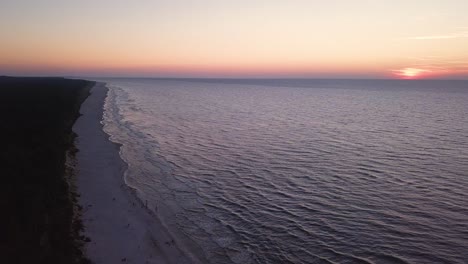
149,174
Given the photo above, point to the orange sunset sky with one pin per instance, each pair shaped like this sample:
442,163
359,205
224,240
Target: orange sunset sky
219,38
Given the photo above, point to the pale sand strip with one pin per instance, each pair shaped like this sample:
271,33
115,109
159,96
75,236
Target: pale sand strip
121,231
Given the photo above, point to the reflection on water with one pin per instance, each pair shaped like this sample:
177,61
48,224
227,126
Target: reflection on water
300,171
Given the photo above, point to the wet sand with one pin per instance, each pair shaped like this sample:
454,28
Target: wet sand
119,227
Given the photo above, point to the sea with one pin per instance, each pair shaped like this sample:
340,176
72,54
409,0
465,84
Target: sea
297,170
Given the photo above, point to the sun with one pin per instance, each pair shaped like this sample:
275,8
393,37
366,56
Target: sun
410,73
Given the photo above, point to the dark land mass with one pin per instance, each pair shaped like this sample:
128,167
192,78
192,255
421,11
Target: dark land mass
38,219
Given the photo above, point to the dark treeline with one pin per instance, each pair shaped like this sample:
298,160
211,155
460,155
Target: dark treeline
38,220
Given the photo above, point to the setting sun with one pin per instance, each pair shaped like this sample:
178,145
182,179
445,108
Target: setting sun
246,131
245,38
411,73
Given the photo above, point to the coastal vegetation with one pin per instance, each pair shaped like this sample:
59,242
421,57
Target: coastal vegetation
39,212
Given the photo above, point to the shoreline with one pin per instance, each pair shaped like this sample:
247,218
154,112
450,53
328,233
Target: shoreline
118,225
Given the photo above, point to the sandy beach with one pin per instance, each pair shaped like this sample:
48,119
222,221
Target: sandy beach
119,227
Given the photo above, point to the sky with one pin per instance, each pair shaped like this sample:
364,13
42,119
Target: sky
408,39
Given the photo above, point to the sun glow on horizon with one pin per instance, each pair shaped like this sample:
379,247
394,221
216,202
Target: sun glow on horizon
331,39
411,73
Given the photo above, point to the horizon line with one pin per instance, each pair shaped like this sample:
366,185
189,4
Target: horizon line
231,78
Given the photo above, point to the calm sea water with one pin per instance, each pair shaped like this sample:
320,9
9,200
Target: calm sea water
300,171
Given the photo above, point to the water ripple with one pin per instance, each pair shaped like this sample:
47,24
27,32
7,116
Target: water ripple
359,172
